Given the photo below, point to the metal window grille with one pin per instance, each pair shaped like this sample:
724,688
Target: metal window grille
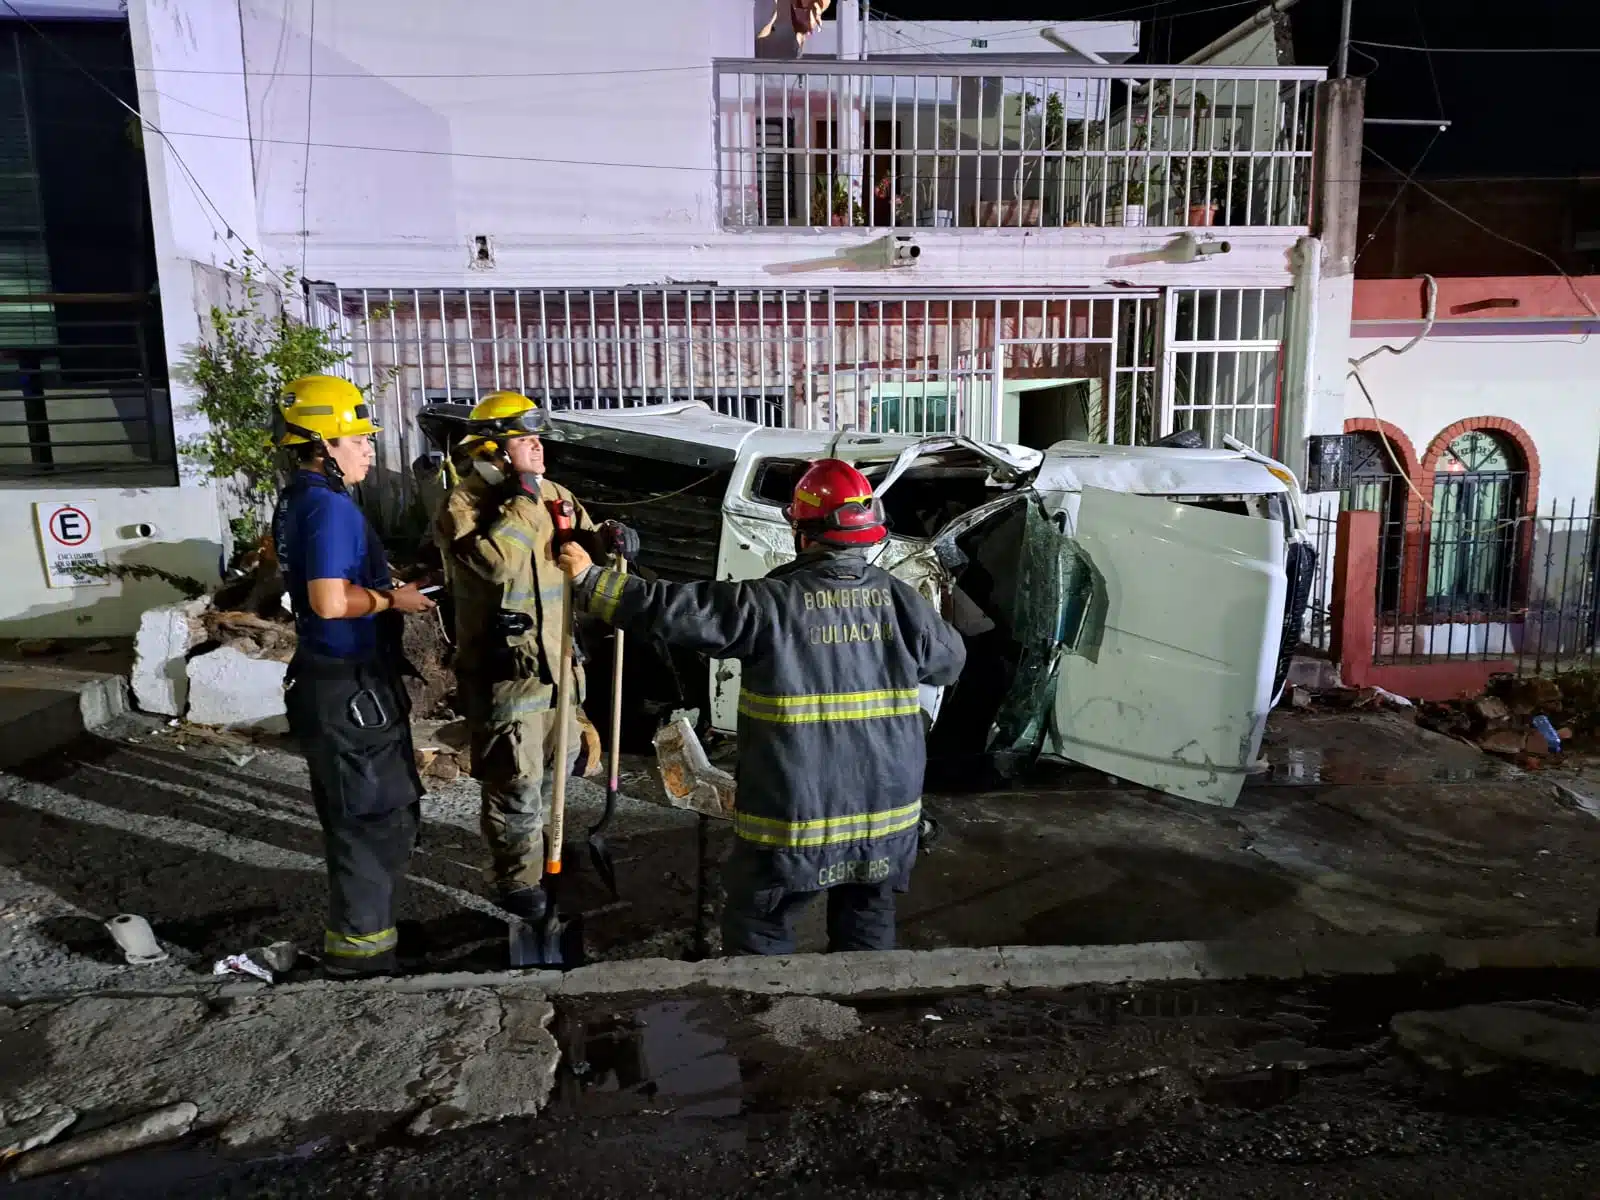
1527,588
1224,364
1023,367
1477,498
75,388
1008,144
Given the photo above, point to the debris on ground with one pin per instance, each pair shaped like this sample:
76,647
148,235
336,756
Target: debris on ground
135,939
219,660
1349,698
149,1129
40,1129
250,635
1525,719
1578,800
799,1021
230,688
265,963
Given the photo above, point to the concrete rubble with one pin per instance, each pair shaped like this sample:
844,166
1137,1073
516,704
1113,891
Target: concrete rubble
227,687
166,1124
1502,721
352,1061
161,650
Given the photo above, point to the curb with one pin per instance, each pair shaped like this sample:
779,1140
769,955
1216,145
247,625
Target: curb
56,705
1013,968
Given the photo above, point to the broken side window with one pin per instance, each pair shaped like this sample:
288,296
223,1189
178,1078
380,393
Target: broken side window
1052,593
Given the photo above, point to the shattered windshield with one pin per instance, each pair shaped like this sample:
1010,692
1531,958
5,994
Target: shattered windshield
1051,594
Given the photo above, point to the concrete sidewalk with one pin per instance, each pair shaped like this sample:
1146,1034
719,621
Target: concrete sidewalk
430,1053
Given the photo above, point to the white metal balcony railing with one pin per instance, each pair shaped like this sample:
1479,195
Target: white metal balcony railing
998,144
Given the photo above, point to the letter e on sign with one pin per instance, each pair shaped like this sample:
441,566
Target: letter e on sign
69,535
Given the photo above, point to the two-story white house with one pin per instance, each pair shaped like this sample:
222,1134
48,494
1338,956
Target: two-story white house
1008,230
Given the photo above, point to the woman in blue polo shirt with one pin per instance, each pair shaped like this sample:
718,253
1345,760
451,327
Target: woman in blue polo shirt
346,704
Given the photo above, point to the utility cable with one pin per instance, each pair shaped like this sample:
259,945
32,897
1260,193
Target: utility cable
1425,49
1399,192
226,233
1495,233
305,168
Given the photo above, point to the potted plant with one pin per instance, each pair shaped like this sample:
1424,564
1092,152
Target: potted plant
891,203
1209,183
832,203
1131,210
928,213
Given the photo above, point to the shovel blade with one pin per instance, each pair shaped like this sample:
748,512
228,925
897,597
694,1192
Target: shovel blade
604,866
551,943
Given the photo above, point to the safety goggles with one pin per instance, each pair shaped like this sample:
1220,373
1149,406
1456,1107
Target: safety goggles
848,517
535,423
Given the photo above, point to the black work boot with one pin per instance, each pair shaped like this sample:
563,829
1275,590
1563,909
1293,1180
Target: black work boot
379,965
525,903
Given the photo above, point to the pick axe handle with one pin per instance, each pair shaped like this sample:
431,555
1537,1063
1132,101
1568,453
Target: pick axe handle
621,567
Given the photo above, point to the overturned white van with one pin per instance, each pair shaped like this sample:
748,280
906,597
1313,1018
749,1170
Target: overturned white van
1132,609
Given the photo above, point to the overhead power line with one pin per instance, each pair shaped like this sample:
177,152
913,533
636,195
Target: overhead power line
226,233
1477,49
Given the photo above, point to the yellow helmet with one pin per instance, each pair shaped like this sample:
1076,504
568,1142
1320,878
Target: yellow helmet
319,408
500,416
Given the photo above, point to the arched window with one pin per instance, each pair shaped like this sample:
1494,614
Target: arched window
1479,488
1377,486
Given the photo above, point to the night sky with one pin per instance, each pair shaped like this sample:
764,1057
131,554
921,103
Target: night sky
1513,115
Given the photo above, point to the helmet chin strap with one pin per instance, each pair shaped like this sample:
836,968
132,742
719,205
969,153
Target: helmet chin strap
331,469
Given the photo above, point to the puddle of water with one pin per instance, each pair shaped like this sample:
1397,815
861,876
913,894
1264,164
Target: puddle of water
1309,764
662,1055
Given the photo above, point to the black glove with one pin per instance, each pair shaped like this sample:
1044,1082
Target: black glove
617,538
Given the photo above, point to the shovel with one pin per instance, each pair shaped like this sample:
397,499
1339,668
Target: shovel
599,852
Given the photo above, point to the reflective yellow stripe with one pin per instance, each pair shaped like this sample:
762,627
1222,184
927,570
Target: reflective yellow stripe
359,945
829,831
607,592
830,706
525,707
513,533
547,596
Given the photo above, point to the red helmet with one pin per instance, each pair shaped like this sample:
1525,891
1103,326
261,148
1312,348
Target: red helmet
833,503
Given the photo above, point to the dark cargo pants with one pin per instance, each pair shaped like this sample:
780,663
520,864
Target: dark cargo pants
352,726
512,727
758,917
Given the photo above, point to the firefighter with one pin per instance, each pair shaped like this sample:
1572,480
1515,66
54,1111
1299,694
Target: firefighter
497,536
345,702
831,735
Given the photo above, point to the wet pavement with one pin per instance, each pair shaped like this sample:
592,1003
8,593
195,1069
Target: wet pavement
1361,824
1188,1090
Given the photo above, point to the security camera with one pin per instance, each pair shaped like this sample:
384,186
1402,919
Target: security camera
881,254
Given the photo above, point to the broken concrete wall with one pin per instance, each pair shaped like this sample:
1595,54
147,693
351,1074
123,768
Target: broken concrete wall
161,650
229,688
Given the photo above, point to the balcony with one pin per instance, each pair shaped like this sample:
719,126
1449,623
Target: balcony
1003,144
